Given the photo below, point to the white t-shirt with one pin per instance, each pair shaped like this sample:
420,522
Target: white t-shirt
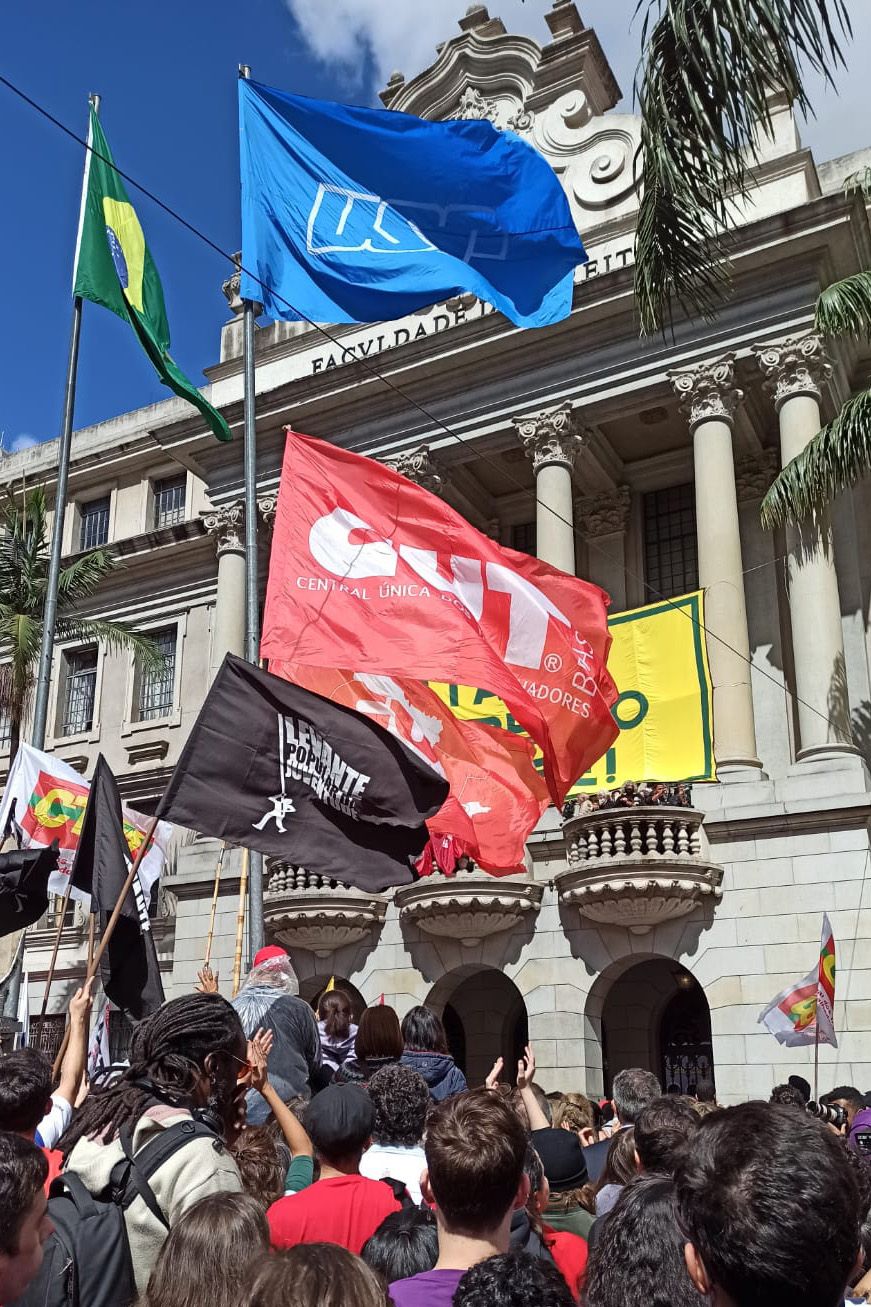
405,1164
52,1126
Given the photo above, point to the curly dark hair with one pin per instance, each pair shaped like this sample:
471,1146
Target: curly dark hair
263,1163
640,1244
401,1099
787,1096
513,1279
170,1052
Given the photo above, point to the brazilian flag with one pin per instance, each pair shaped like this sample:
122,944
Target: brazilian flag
114,268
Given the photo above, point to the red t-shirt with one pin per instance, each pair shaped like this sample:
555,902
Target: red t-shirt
569,1251
55,1161
346,1209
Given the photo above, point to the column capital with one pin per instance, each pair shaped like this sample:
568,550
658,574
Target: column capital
707,390
266,507
226,524
553,435
603,515
797,365
754,476
419,466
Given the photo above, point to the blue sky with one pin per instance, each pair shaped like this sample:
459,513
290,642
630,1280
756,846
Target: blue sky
167,72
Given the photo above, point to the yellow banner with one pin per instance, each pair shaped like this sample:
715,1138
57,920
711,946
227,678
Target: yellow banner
660,665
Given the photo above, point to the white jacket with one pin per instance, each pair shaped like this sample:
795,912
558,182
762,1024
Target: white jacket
194,1171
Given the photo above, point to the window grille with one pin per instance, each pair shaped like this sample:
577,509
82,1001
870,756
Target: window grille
80,691
157,684
95,524
671,561
169,501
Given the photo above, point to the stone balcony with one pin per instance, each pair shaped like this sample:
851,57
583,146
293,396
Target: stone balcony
304,910
469,906
636,867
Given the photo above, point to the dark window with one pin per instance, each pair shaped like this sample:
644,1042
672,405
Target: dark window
671,561
79,691
169,501
523,538
157,684
95,524
5,728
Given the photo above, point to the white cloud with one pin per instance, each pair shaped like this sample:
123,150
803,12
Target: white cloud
24,440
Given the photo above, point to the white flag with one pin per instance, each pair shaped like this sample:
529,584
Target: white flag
50,798
99,1057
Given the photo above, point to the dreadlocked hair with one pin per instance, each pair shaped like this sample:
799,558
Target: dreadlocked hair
167,1057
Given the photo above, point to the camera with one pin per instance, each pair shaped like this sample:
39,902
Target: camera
829,1113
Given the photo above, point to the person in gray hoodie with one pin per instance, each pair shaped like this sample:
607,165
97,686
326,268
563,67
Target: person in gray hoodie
426,1051
187,1058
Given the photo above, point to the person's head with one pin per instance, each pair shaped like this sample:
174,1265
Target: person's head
513,1279
208,1251
272,967
620,1164
190,1053
539,1188
640,1244
423,1031
24,1220
378,1034
779,1183
802,1085
540,1098
706,1091
25,1091
852,1100
406,1243
401,1100
787,1096
262,1163
334,1009
575,1112
632,1090
314,1275
562,1158
475,1149
661,1133
340,1120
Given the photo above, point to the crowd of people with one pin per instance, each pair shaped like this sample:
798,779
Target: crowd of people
259,1154
633,794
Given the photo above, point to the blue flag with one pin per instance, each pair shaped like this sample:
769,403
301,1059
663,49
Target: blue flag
365,215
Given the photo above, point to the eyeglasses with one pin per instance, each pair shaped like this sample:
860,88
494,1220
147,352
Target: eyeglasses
245,1068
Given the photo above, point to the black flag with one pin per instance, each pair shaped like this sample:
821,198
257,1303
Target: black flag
24,877
277,768
130,970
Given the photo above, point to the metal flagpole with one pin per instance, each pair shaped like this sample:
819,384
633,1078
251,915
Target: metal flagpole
49,612
252,595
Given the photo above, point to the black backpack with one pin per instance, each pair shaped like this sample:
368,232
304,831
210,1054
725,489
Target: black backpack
87,1260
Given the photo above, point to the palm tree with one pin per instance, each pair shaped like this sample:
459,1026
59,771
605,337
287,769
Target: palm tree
24,553
840,454
704,90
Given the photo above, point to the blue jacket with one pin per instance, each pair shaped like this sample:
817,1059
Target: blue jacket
439,1070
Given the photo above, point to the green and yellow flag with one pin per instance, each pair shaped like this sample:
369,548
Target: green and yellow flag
114,268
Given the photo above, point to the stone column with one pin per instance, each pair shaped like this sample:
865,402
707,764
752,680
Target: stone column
796,369
710,398
553,439
602,521
226,524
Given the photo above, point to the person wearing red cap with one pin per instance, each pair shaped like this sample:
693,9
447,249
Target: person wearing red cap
269,1000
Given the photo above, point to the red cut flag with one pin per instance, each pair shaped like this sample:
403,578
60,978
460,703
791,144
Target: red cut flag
370,571
497,795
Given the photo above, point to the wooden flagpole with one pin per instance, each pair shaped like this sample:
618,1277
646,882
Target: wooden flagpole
215,891
96,959
54,952
91,924
240,920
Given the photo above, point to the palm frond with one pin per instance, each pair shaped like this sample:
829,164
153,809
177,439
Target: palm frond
836,457
81,577
113,635
844,308
703,90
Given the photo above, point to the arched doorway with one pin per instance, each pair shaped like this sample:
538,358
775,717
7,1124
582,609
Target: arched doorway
312,987
655,1015
484,1017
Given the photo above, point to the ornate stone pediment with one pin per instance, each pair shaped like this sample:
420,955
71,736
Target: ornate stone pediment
556,96
306,911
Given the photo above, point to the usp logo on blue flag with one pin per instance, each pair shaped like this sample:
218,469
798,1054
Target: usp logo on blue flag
366,215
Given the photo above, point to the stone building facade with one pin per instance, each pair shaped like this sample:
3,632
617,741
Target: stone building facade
640,464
